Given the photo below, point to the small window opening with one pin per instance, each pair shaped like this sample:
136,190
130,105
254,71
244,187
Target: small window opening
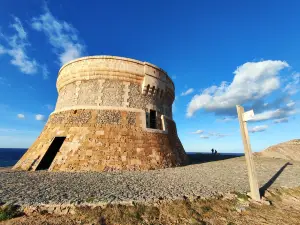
147,89
153,119
152,90
75,111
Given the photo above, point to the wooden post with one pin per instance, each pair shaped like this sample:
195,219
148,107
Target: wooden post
248,155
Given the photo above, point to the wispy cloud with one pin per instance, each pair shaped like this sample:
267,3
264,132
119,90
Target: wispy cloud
49,107
21,116
208,134
17,48
293,86
291,104
226,119
187,92
3,81
259,128
198,132
62,36
204,136
281,120
216,134
45,71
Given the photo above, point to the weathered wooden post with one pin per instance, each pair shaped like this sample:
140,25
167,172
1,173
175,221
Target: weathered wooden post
243,118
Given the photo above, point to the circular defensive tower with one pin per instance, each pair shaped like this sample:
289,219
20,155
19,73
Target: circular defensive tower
112,113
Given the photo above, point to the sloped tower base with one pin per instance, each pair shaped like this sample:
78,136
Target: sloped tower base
105,140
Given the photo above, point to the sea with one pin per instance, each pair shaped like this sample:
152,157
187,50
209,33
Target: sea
10,156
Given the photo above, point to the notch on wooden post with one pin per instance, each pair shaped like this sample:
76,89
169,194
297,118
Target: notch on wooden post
243,118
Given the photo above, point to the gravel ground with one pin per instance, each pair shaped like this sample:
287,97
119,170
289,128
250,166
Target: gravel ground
205,180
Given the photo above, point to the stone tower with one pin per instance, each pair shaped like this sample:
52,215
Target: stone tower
112,113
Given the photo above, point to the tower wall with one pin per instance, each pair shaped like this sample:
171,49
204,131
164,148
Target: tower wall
103,110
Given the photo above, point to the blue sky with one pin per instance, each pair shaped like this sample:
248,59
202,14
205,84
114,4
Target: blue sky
219,54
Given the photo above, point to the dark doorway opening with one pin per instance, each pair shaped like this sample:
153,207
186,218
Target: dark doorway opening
153,119
51,153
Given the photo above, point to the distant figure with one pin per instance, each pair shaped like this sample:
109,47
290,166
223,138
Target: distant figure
216,152
212,151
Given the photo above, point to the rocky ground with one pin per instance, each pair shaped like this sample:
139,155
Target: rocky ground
204,180
281,207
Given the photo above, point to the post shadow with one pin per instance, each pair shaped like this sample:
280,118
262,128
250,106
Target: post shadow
263,189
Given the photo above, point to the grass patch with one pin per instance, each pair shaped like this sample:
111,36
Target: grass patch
90,199
206,208
241,196
9,211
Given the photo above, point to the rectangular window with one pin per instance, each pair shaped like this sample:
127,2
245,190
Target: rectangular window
153,119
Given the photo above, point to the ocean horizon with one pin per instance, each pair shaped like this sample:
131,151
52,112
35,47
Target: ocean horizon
10,156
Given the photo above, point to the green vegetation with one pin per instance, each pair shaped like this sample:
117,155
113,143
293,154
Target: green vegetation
9,211
90,199
241,196
177,212
206,208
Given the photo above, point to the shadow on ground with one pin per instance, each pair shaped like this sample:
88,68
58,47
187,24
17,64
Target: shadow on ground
195,158
267,185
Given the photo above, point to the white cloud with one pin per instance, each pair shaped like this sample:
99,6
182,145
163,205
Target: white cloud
204,136
273,114
40,117
62,36
187,92
260,128
19,28
45,71
252,81
215,134
291,103
7,130
198,132
293,86
21,116
281,120
226,119
3,81
2,50
17,49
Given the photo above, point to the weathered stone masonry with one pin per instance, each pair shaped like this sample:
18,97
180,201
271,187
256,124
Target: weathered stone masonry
105,108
